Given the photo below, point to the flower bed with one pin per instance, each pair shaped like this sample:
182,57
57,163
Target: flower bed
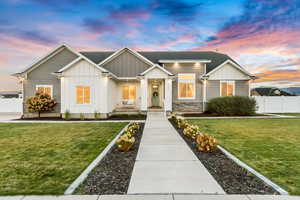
112,174
232,178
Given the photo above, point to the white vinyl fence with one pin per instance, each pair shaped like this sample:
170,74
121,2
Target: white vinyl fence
278,104
11,105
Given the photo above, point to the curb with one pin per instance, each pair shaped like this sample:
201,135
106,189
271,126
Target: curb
253,171
91,166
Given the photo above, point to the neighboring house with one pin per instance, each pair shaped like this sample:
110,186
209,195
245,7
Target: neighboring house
127,80
269,91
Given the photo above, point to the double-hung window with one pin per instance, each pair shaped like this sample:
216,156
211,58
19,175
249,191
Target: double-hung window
83,94
186,86
45,89
227,88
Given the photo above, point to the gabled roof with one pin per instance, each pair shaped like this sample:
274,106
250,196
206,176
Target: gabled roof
154,56
271,91
156,66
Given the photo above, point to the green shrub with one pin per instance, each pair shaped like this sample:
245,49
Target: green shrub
191,131
96,115
81,116
67,115
182,123
235,105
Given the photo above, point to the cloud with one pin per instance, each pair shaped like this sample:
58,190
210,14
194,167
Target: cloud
98,25
178,10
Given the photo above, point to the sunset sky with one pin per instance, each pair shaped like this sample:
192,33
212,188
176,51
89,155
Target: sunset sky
262,35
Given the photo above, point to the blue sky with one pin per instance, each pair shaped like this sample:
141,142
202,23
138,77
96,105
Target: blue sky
262,35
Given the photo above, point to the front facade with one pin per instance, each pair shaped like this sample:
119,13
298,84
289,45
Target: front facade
130,81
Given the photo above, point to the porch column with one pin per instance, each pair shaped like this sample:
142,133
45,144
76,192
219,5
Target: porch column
144,94
168,94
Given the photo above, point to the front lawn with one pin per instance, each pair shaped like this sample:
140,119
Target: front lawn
271,146
47,158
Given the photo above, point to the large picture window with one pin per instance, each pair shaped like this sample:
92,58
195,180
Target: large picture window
128,92
227,88
46,89
186,86
83,94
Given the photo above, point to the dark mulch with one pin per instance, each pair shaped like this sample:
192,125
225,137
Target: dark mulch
215,115
233,178
112,175
114,117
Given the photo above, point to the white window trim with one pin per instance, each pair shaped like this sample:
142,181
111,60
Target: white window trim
227,88
82,104
186,81
46,86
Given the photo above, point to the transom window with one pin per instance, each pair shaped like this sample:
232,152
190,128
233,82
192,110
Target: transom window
45,89
227,88
128,92
186,86
83,94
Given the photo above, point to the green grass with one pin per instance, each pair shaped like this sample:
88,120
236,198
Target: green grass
47,158
271,146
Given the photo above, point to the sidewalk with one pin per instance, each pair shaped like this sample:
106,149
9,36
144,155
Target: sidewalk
154,197
165,164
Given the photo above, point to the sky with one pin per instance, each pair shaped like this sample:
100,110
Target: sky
261,35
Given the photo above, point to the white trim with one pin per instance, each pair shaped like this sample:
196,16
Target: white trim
127,78
204,94
156,66
227,81
70,64
184,61
185,81
45,86
119,52
91,166
234,65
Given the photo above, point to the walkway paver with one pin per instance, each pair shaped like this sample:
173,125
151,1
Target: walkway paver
165,164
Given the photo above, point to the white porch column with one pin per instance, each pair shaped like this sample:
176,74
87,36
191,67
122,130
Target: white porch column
144,94
204,94
168,94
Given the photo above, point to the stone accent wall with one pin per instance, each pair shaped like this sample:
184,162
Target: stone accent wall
188,106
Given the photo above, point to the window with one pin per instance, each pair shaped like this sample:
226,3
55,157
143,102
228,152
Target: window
186,86
46,89
128,92
83,94
227,88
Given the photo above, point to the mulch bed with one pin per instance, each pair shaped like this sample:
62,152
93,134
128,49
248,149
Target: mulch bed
114,117
112,174
233,178
214,115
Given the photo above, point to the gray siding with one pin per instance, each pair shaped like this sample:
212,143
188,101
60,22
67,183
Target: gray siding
188,105
212,89
242,88
126,65
42,76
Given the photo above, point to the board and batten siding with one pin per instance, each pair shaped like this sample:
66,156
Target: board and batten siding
84,74
126,65
42,76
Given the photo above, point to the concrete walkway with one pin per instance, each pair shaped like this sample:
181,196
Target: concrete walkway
154,197
165,164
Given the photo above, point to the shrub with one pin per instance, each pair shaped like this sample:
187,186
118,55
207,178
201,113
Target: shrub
81,116
235,105
40,103
206,143
125,143
191,131
174,117
182,123
96,115
67,115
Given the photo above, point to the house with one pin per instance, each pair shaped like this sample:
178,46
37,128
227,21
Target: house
136,81
269,91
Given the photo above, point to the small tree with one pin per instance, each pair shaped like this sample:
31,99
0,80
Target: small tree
40,103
